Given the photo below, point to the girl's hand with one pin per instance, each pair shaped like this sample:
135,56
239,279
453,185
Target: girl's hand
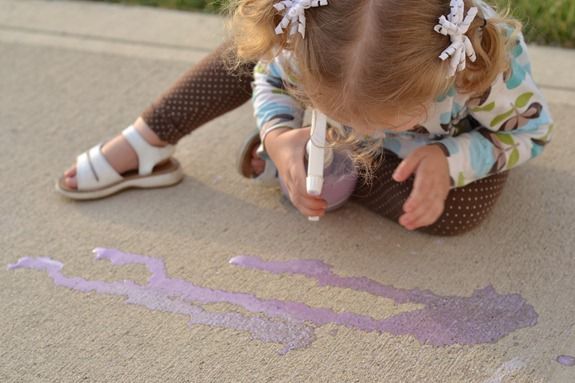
430,189
286,148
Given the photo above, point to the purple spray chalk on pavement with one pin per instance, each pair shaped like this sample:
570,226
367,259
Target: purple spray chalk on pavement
566,360
484,317
172,295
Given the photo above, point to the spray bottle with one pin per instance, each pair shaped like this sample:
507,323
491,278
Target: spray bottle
330,173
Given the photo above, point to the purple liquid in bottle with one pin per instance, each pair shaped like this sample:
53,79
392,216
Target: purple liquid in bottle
339,179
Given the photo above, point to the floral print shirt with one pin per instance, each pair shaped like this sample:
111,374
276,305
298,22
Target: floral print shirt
503,128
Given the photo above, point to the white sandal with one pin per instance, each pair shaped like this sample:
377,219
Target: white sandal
96,178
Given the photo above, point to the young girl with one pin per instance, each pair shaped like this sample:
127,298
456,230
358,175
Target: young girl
460,115
454,114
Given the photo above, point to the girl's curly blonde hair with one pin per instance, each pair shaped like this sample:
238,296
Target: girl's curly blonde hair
362,57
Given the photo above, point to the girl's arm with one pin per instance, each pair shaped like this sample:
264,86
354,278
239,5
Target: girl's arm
515,127
273,107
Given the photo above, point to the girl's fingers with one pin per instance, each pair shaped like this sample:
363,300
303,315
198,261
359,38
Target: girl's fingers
430,217
420,192
295,180
411,219
305,203
418,210
300,192
424,217
307,206
311,213
310,202
406,167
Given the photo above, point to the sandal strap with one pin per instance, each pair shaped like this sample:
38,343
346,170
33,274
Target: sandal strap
94,171
148,155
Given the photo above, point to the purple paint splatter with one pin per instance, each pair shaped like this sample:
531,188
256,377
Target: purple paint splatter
484,317
566,360
170,295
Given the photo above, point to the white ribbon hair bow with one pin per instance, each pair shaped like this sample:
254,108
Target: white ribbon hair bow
456,27
295,14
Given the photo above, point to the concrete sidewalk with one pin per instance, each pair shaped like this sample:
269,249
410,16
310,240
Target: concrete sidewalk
75,73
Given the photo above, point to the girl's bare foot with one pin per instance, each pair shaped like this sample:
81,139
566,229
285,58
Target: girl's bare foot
257,163
120,153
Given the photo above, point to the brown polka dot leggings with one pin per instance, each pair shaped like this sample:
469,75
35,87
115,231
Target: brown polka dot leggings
209,89
465,207
204,92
